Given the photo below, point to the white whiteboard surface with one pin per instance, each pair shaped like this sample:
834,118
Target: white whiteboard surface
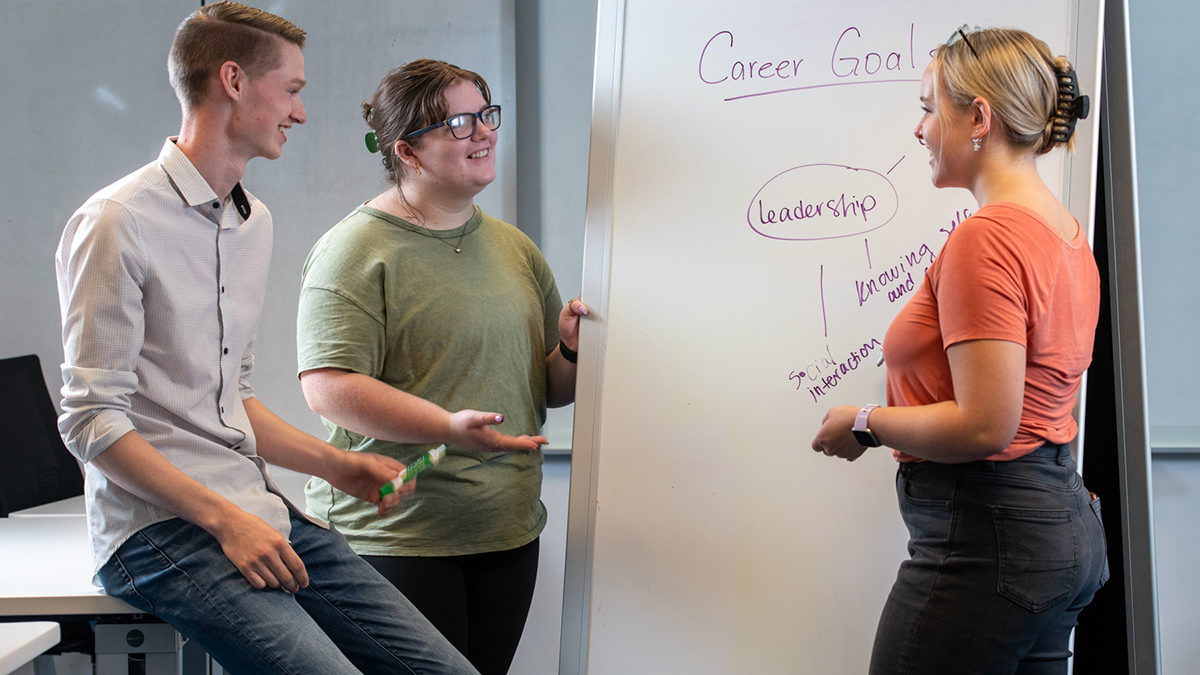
758,210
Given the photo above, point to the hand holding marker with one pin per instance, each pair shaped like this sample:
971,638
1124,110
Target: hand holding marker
410,472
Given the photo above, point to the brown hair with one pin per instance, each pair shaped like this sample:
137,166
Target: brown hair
220,32
1017,75
412,97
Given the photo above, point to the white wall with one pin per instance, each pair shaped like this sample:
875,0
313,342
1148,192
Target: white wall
86,100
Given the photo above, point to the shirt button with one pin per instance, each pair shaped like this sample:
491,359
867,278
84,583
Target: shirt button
217,205
225,351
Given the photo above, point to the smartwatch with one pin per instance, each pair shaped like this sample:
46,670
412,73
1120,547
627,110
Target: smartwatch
862,433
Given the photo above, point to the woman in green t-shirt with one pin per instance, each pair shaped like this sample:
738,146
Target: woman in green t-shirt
418,311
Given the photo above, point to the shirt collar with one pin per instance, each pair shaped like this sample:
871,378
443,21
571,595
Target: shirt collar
195,191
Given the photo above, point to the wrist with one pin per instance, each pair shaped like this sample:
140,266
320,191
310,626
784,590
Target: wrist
862,431
569,354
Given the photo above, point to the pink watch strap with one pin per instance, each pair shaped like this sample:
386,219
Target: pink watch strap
860,420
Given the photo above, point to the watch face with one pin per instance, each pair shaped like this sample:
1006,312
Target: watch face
866,438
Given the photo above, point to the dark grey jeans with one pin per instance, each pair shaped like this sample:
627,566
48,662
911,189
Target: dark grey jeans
1003,555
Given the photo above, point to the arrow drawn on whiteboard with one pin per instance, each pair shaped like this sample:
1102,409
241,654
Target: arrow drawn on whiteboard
889,171
867,246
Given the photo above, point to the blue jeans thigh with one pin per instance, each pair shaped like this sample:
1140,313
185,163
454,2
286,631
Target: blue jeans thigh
178,572
365,614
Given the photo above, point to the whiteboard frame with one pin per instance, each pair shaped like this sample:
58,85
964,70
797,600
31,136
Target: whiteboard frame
581,517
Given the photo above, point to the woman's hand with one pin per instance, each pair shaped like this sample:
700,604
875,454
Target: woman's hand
568,323
473,429
834,438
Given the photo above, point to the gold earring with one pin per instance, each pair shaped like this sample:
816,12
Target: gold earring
418,169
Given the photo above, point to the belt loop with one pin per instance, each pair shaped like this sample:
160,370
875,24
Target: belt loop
1064,454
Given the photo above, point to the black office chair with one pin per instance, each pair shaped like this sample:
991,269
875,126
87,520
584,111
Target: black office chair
35,466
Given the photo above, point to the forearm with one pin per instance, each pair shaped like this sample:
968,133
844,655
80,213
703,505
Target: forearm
283,445
941,432
560,380
132,463
373,408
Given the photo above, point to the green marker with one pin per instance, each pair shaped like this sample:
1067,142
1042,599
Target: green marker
410,472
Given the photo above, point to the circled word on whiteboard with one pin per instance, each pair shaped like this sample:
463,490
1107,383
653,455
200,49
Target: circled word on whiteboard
822,201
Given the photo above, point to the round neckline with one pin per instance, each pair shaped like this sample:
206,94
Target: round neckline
466,228
1073,242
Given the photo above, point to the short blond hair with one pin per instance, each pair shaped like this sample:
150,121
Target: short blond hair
1017,75
220,32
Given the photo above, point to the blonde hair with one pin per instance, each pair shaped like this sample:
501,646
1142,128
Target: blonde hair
220,32
1022,81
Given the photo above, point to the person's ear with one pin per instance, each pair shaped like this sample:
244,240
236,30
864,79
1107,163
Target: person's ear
981,117
232,79
404,152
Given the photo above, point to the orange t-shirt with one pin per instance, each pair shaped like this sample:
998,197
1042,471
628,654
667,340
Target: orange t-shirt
1003,274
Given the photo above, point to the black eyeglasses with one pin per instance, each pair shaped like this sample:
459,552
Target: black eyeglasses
462,125
962,33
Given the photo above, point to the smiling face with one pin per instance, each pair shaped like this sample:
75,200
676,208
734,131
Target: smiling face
946,133
271,105
462,166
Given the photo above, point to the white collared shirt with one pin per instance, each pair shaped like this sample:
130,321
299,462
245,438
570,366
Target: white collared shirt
160,288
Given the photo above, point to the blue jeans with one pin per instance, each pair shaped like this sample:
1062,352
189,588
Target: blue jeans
348,620
1003,555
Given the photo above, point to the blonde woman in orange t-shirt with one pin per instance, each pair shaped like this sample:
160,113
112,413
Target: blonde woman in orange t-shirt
984,365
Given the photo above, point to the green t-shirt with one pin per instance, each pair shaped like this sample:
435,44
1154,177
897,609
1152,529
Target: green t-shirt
390,299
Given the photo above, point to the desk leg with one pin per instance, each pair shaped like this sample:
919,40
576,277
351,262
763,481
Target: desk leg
193,660
153,647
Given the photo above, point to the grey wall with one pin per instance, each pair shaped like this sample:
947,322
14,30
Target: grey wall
1168,167
84,99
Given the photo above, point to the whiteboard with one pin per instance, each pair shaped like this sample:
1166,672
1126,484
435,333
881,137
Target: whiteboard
758,210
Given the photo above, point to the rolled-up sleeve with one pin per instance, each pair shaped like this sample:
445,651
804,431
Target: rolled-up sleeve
100,268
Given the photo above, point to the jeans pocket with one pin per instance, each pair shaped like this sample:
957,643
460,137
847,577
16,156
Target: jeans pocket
117,582
1038,555
926,505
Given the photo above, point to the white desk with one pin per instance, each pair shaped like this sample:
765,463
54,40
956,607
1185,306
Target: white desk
46,569
23,641
71,506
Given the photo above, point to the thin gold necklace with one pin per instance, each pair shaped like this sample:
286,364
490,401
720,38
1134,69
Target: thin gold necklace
457,246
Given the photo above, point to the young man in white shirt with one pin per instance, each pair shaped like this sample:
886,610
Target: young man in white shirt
161,282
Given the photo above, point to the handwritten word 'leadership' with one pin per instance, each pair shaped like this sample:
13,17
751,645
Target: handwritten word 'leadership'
822,201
